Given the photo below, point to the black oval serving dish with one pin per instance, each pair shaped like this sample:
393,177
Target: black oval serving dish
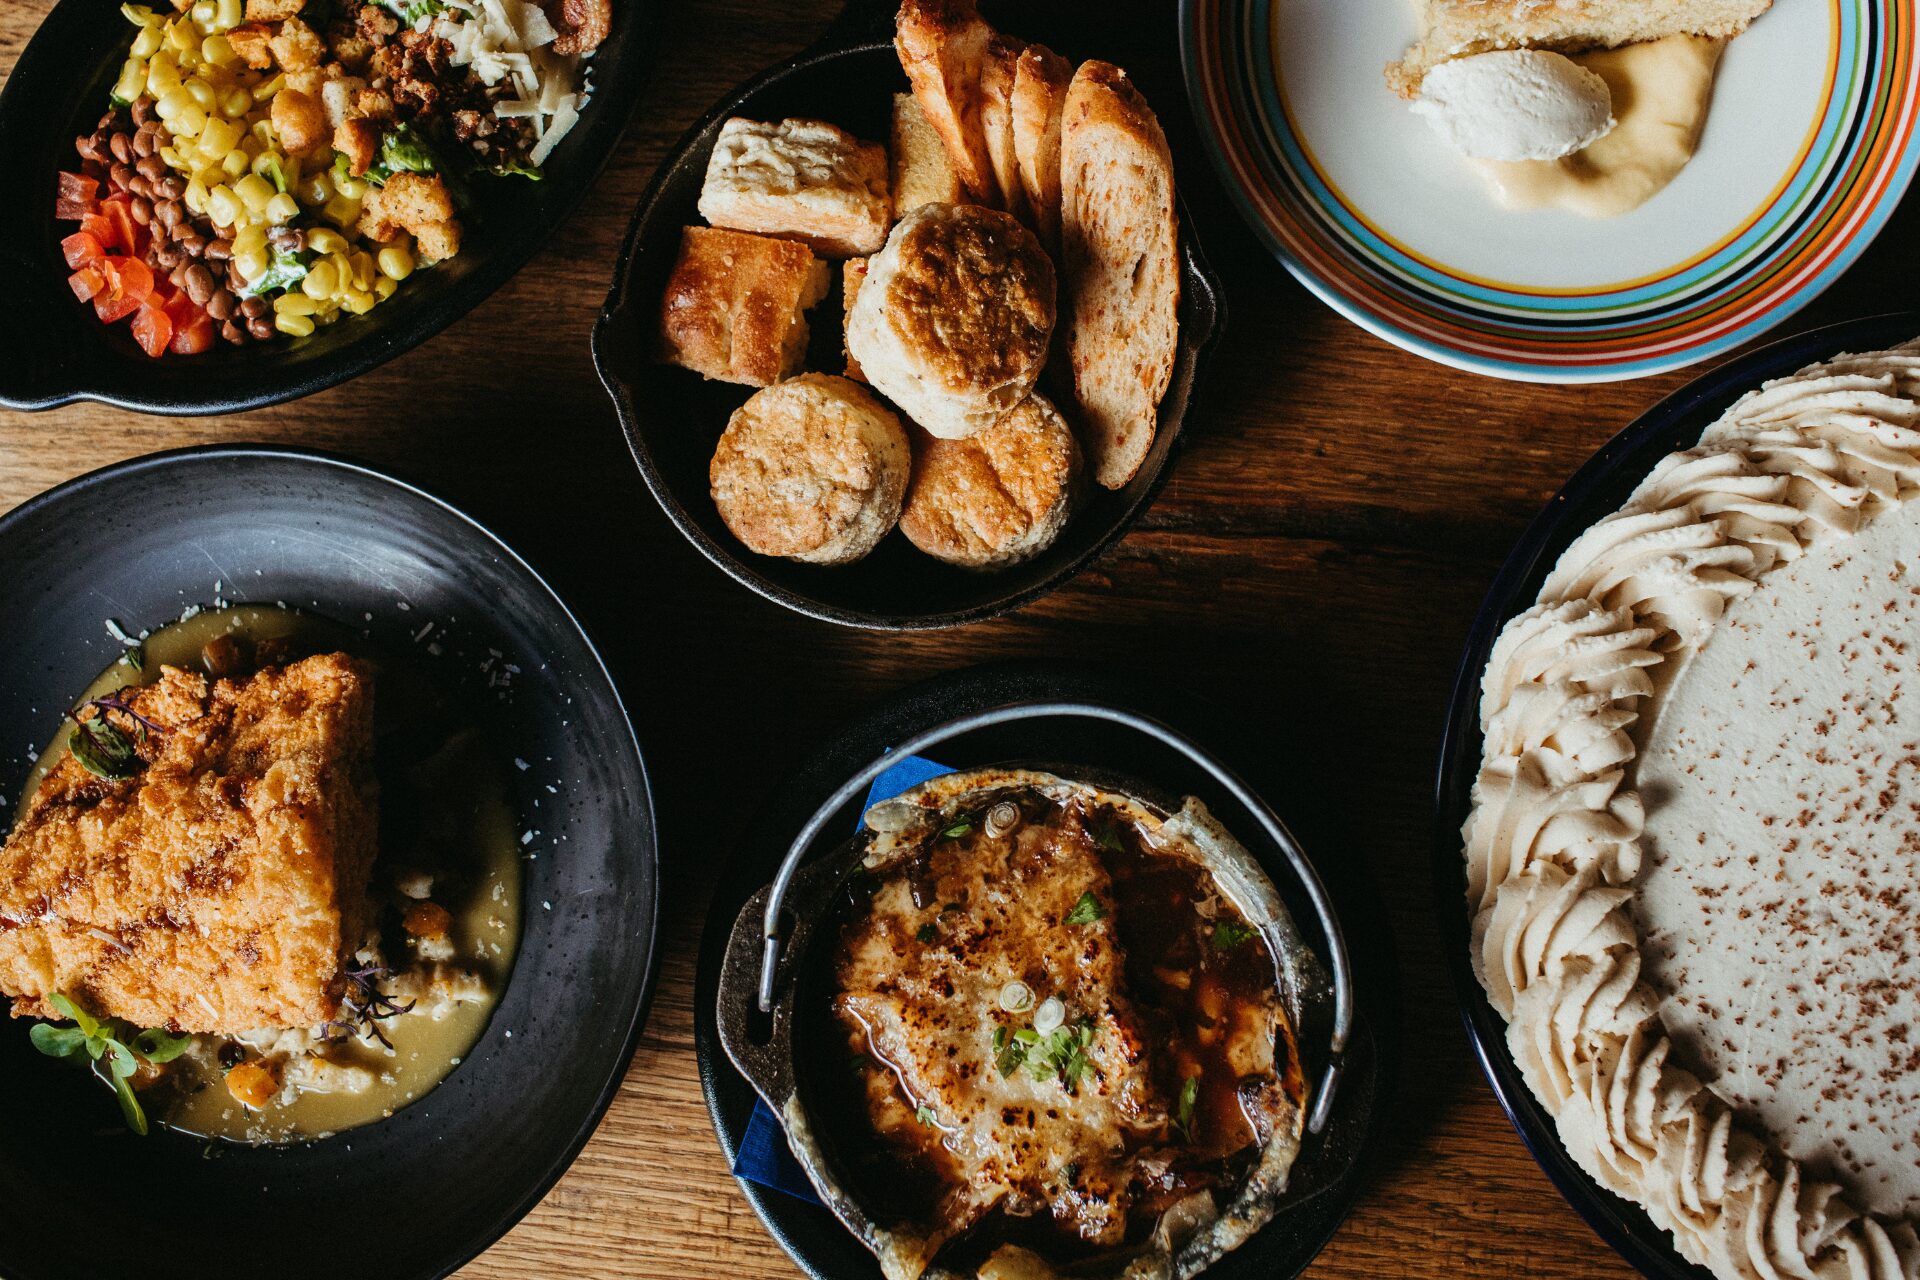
1598,489
1329,1172
420,1193
672,417
57,351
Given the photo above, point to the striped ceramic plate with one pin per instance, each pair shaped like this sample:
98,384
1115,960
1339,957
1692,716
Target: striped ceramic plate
1809,145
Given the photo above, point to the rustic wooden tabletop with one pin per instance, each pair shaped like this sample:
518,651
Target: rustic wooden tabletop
1333,518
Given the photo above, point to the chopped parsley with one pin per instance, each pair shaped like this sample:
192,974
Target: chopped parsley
116,1048
1109,839
1183,1114
1229,934
925,1115
1060,1055
958,829
1087,910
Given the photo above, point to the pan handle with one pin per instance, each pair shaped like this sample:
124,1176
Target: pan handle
1276,831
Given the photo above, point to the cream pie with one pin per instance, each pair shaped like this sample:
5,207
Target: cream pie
1693,856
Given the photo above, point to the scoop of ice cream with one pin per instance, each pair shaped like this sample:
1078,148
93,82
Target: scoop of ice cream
1515,104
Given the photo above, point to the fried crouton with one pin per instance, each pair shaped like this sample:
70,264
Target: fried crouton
437,241
299,121
223,886
252,43
311,81
297,45
417,203
358,139
273,10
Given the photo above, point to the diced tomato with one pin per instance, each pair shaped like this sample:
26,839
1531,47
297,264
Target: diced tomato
179,306
129,283
76,198
152,329
195,337
82,250
101,228
86,282
129,236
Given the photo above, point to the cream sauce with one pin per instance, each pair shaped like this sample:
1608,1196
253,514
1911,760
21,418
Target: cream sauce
439,776
1661,92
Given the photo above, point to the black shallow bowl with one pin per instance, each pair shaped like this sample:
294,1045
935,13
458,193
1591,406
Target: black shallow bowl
55,349
420,1193
1596,490
1331,1170
672,417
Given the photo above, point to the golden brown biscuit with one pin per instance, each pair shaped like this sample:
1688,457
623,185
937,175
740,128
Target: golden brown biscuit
735,306
999,496
953,320
813,469
853,274
801,180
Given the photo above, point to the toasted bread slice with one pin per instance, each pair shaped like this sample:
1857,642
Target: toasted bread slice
1121,249
996,123
923,173
943,49
1040,79
853,274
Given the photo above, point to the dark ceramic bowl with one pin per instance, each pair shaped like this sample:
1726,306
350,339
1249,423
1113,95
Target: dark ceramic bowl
57,351
420,1193
1329,1173
672,417
1597,490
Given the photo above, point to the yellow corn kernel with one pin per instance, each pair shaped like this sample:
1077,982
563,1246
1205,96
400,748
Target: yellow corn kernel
219,137
395,263
235,104
324,241
202,14
163,73
298,326
292,303
252,262
223,206
264,91
234,164
173,158
170,104
383,287
182,36
321,280
132,82
357,302
218,51
342,211
190,121
364,272
249,239
282,208
254,192
196,196
201,92
315,188
147,43
351,188
227,14
139,15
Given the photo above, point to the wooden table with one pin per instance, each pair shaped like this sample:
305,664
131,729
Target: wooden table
1333,519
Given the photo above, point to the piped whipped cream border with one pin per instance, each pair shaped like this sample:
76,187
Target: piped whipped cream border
1553,838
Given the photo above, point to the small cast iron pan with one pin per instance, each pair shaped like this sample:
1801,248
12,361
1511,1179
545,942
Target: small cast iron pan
416,1195
57,351
1325,1179
1597,490
672,417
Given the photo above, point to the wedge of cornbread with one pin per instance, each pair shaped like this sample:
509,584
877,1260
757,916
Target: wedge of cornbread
222,886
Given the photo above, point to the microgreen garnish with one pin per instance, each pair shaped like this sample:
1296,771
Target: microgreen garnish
927,933
1109,839
958,829
102,747
1086,910
1183,1113
925,1115
1061,1055
116,1048
135,656
1228,934
365,1007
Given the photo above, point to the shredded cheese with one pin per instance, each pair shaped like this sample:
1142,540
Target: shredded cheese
506,40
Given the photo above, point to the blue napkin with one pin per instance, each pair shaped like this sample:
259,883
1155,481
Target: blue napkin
764,1157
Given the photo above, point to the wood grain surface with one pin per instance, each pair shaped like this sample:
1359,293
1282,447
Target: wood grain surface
1332,521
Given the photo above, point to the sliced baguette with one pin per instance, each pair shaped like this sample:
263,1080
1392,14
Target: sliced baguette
943,49
996,123
922,171
1040,82
1121,251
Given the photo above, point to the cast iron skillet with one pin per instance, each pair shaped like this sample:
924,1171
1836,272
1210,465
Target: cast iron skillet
1598,489
672,417
1330,1171
57,351
416,1195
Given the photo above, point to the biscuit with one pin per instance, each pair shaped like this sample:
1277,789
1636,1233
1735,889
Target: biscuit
998,497
953,320
801,180
735,306
812,469
853,274
922,171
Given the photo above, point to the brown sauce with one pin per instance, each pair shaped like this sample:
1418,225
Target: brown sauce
1192,965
